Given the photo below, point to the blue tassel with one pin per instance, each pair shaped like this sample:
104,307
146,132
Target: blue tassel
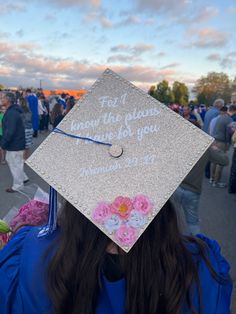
52,214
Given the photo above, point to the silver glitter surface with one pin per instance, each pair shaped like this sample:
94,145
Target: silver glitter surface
159,148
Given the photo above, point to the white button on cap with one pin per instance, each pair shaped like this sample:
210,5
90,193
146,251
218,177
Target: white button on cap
115,151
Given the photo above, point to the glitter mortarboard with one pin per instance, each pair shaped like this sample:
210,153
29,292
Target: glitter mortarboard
120,188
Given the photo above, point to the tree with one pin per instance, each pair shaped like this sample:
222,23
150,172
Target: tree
2,87
214,85
181,94
162,92
151,91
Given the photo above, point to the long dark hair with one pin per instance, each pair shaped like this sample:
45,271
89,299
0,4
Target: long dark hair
56,111
159,270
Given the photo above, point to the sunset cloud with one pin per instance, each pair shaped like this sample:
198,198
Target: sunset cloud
208,38
98,17
68,43
58,72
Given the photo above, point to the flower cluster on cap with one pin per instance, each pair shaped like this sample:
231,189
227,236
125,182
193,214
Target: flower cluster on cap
123,217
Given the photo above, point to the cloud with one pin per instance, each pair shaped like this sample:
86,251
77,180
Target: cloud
73,3
6,47
137,49
196,15
120,47
18,65
163,6
214,57
161,54
4,34
130,20
226,61
99,18
208,38
170,66
140,48
122,58
205,14
20,33
231,10
149,21
49,17
6,7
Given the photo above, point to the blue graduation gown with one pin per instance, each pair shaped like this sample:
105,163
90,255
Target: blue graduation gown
23,288
33,105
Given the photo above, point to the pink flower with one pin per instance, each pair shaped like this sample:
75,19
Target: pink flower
126,235
101,212
142,203
122,206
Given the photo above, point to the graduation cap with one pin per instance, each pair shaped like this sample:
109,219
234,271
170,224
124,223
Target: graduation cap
118,156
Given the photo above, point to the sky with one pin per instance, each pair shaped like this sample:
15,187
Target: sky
69,43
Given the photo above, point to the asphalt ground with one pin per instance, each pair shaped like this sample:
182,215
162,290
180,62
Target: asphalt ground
217,210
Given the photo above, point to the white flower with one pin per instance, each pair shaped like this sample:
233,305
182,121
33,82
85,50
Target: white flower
112,223
136,219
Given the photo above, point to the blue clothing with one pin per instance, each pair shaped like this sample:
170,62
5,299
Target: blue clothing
211,113
62,102
23,289
13,138
233,117
33,105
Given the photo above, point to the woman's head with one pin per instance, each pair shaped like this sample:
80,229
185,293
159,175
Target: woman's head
157,268
24,105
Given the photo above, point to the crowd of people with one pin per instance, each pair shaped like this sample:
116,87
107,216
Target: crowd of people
23,115
78,269
219,121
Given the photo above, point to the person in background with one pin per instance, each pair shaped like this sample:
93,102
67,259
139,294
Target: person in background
195,112
46,118
2,152
221,133
232,177
211,114
57,114
69,104
232,112
13,141
187,196
62,100
42,110
188,115
32,100
27,120
202,112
